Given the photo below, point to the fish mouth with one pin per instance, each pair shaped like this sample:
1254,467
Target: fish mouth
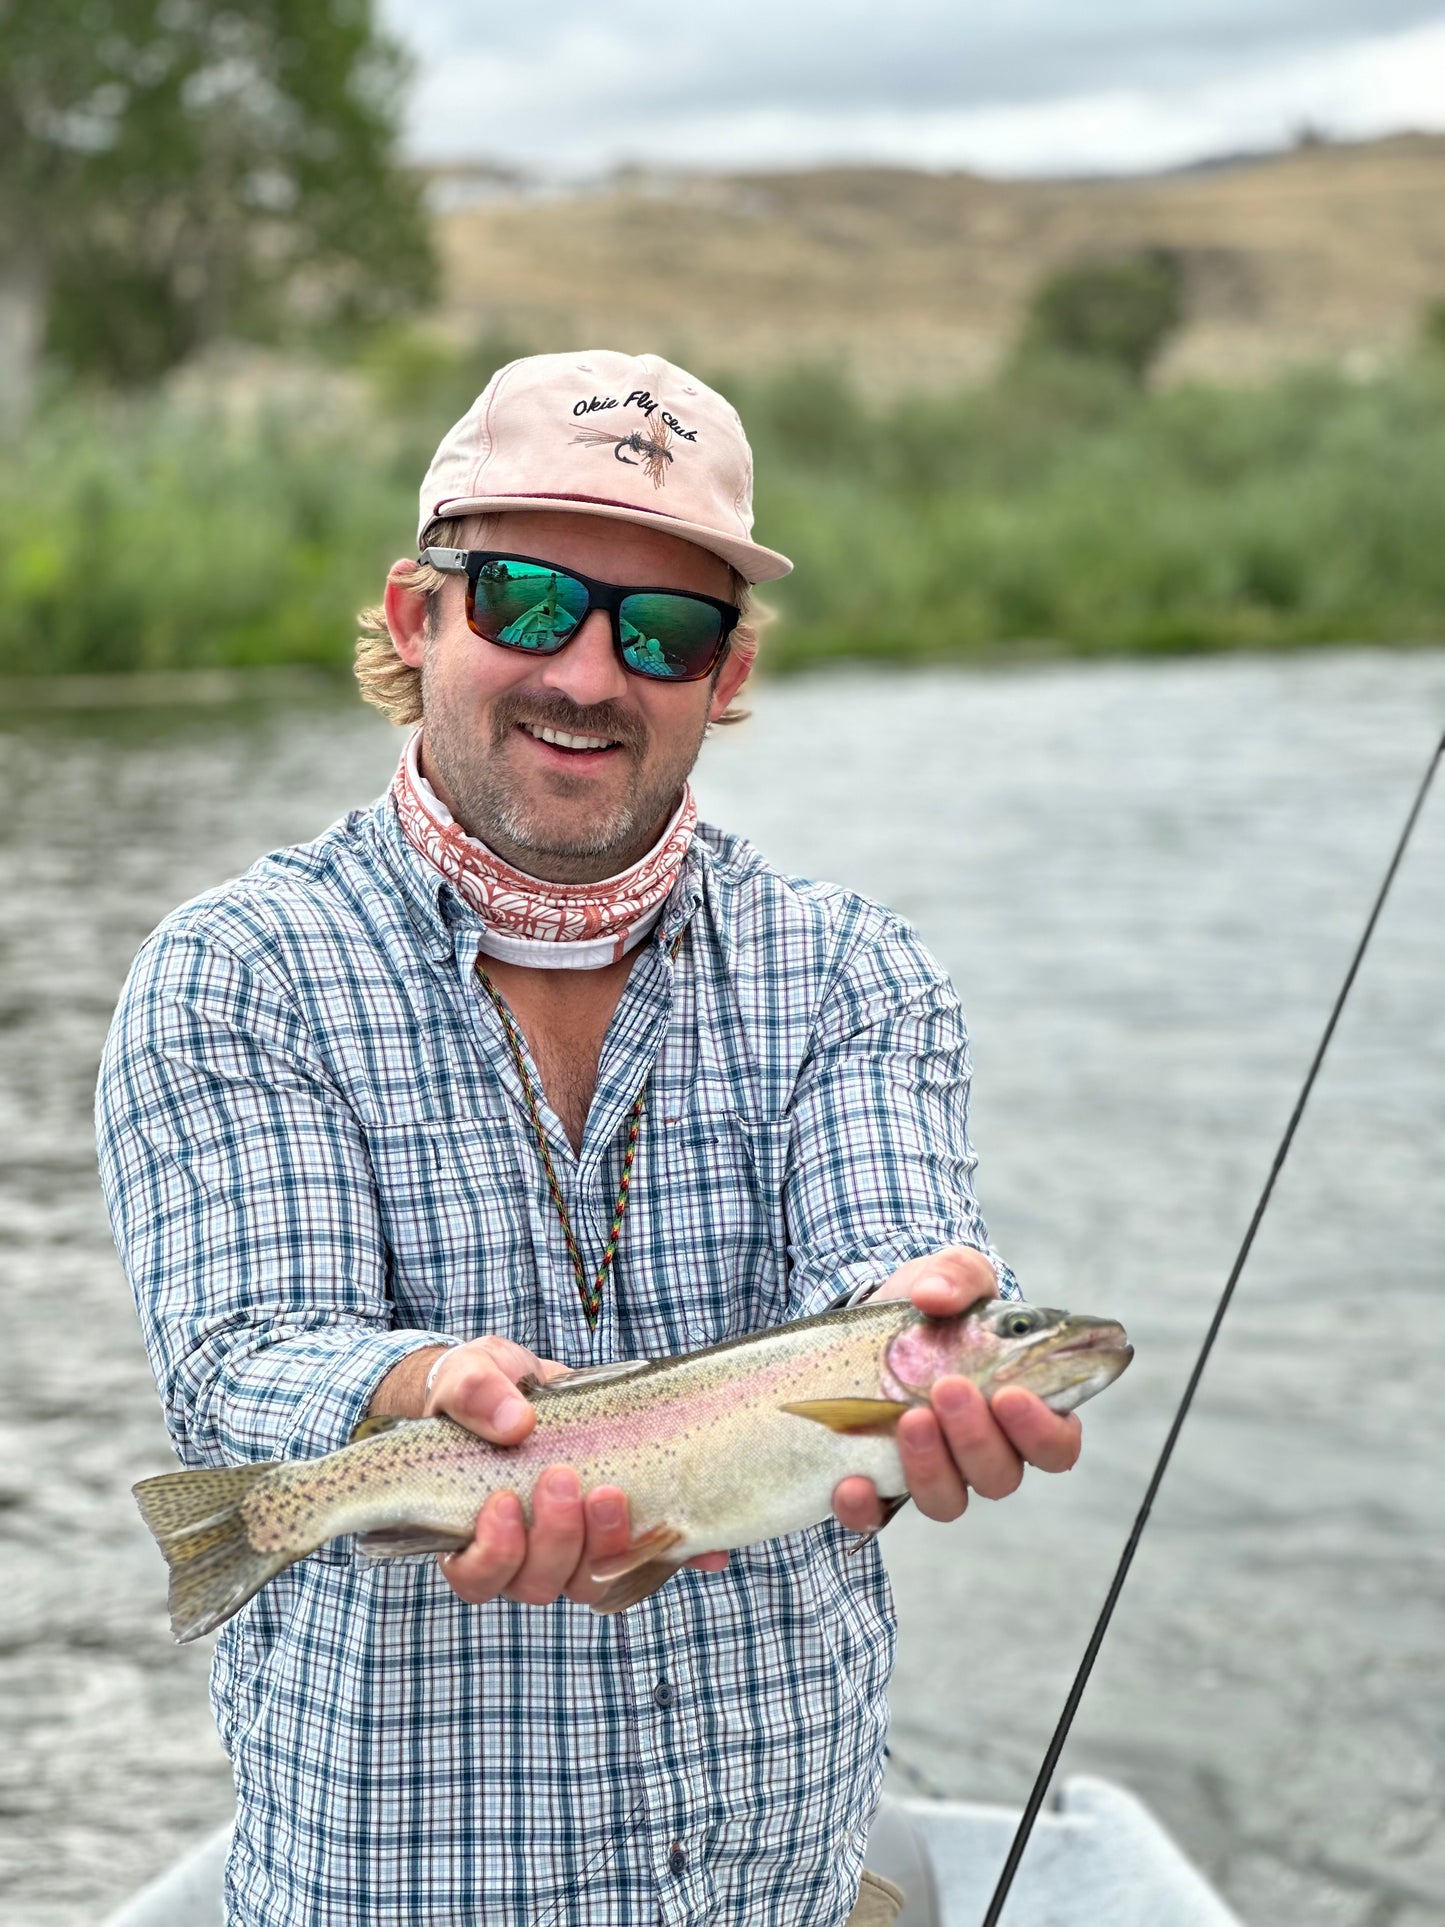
1103,1337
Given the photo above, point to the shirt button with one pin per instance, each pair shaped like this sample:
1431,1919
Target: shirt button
677,1859
663,1694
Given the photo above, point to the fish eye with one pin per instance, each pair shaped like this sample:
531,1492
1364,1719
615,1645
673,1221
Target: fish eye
1020,1325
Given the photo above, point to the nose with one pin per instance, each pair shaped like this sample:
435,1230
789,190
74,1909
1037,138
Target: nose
587,670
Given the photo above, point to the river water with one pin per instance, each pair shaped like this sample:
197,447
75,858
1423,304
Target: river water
1146,880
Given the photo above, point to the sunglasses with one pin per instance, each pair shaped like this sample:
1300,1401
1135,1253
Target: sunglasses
520,603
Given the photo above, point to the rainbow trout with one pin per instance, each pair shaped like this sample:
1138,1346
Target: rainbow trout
717,1448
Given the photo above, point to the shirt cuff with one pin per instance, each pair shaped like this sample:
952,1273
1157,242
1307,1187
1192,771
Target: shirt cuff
306,1395
855,1283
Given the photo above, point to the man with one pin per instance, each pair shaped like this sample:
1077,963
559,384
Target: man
520,1069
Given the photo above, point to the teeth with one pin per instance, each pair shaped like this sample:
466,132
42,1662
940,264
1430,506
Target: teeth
564,741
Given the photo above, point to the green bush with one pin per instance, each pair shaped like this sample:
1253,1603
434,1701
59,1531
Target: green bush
150,536
1066,508
1063,507
1432,328
1121,312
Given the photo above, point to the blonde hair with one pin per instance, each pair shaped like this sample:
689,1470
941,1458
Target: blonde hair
394,687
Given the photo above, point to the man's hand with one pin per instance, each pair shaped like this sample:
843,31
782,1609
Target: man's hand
476,1384
964,1440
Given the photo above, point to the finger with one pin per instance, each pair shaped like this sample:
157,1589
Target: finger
1050,1440
934,1481
856,1504
976,1441
482,1570
554,1545
950,1281
477,1393
607,1530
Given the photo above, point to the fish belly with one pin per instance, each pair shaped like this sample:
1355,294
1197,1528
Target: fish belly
754,1498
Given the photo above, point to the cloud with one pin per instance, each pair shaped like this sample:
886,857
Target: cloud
1039,86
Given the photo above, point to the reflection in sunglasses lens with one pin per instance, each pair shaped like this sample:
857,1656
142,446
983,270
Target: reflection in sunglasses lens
668,636
527,607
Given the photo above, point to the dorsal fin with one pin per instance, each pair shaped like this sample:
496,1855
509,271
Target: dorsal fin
380,1422
583,1377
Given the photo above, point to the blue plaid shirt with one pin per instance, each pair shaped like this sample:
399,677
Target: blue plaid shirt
317,1157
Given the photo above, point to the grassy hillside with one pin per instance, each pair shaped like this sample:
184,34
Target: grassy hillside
908,279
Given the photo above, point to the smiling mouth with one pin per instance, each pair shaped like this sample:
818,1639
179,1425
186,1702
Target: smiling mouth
565,740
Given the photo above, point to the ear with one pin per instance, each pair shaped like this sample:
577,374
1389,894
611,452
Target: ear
731,677
405,615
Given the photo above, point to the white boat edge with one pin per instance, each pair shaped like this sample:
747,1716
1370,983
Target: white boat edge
1097,1855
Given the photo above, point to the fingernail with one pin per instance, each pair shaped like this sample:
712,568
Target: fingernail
508,1510
563,1484
607,1513
954,1397
509,1414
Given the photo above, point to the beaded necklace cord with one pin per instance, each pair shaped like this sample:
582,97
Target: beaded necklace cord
590,1293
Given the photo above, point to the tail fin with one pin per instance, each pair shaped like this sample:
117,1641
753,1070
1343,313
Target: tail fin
197,1522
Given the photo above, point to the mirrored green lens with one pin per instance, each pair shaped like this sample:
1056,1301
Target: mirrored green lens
672,637
526,606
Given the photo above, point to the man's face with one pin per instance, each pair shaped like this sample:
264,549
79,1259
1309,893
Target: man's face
565,812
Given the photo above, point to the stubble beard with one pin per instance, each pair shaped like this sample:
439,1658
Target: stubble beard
542,835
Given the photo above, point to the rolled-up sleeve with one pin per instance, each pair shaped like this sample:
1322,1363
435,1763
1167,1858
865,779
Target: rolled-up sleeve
244,1209
881,1169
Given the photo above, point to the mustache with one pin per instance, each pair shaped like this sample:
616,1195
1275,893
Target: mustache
574,719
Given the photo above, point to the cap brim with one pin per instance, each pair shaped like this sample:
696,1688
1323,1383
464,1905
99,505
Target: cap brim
752,561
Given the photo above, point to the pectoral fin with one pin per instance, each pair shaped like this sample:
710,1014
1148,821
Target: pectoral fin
870,1416
639,1571
891,1510
644,1550
640,1583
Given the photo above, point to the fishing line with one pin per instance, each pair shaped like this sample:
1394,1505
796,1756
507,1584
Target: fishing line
1121,1572
912,1775
612,1845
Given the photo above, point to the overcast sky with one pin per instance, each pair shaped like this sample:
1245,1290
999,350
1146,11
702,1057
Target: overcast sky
1013,86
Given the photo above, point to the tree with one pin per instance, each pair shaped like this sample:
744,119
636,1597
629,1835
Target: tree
172,171
1121,311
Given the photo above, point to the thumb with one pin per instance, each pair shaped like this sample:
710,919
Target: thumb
951,1280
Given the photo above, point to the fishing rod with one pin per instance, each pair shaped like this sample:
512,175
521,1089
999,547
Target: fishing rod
1126,1559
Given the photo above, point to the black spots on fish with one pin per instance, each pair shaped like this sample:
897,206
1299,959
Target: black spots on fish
200,1524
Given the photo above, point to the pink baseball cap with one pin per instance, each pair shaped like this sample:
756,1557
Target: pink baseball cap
629,437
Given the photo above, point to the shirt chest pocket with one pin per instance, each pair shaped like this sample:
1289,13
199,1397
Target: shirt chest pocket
455,1216
706,1206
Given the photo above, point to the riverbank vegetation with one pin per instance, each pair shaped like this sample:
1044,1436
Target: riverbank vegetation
1065,507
